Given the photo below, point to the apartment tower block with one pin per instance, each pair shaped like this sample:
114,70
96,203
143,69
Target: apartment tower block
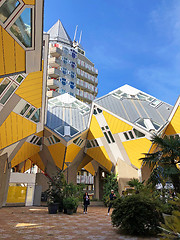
69,70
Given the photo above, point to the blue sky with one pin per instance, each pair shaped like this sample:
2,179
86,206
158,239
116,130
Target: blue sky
135,42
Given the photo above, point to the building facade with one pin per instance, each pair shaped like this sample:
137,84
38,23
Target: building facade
69,71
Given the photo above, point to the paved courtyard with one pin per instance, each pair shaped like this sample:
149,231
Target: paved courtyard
35,223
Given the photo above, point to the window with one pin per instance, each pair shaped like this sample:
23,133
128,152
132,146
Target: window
138,133
73,74
22,28
88,145
73,131
66,131
111,136
65,60
30,112
4,85
93,143
32,139
56,139
52,140
25,109
72,85
64,70
8,93
73,65
36,116
155,102
108,135
126,136
131,135
65,50
107,138
97,110
19,79
63,81
76,140
74,54
7,9
96,142
39,142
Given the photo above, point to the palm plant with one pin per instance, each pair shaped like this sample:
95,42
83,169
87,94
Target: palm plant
167,156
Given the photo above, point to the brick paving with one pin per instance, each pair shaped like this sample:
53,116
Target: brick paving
35,223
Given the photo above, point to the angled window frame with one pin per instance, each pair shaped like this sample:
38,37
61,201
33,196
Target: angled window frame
32,7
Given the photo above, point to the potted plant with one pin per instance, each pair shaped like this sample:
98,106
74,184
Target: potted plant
70,203
55,193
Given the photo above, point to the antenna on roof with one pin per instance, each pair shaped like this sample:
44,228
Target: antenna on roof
75,33
80,37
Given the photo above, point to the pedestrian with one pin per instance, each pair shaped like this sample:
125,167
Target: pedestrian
86,202
112,196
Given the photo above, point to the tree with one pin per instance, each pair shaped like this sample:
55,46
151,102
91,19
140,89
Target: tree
167,156
110,182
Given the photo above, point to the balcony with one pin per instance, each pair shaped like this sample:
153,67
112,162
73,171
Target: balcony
86,76
54,73
54,62
52,83
55,52
87,67
51,94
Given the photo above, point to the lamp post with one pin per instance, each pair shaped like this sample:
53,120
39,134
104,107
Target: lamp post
67,164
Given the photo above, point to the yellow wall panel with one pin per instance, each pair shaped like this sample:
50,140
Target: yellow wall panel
20,58
72,151
174,125
89,167
1,79
16,194
31,89
9,57
39,134
94,130
36,159
26,151
135,150
100,155
57,152
115,124
84,162
27,165
29,2
2,70
14,128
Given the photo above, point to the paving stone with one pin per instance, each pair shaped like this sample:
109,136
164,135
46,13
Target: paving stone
21,223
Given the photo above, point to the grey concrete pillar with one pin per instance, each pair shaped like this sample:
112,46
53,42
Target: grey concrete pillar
4,179
96,184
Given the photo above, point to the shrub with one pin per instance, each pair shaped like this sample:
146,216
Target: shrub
110,182
136,215
171,228
70,203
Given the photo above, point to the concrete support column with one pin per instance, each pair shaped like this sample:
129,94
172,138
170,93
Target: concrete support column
96,184
4,179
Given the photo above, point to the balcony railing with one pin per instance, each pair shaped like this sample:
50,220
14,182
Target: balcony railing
54,73
85,179
87,67
52,94
88,77
55,52
54,62
52,83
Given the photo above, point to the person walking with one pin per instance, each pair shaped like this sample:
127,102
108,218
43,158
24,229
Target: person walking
86,202
112,196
